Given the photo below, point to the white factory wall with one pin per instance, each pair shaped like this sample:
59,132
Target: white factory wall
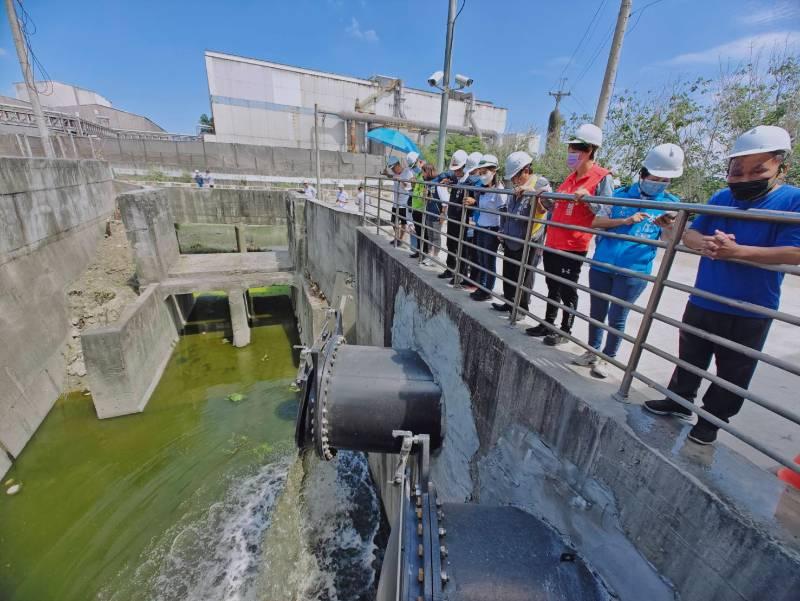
61,94
257,102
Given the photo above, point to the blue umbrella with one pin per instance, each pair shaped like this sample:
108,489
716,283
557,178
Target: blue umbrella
393,139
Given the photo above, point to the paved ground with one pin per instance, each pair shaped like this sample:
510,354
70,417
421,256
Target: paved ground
781,387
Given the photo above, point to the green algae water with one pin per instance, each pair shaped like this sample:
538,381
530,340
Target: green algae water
172,503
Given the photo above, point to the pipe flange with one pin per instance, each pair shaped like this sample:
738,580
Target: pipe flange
321,417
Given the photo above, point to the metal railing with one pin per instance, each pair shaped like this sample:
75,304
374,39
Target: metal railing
381,210
72,124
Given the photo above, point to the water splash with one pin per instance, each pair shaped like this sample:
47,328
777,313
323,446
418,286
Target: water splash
321,546
297,529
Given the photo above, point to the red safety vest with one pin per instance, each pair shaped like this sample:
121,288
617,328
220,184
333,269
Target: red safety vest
574,213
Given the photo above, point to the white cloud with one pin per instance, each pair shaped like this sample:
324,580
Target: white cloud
740,49
780,10
3,51
354,30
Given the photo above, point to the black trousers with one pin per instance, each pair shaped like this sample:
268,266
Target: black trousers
732,366
511,272
569,269
422,237
453,232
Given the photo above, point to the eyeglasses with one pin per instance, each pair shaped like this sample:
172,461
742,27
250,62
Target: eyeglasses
580,147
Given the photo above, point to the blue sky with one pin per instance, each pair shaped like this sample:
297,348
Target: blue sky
147,56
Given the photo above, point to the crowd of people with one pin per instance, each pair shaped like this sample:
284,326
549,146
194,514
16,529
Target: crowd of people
482,218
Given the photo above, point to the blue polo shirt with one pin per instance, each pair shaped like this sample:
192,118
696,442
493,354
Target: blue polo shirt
743,282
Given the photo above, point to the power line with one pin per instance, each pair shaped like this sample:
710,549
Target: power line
599,49
28,28
583,38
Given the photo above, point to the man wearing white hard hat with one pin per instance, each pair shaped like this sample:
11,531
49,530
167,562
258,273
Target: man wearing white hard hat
460,172
661,165
341,196
513,227
587,178
756,169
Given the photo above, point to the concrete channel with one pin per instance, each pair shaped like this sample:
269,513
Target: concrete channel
521,429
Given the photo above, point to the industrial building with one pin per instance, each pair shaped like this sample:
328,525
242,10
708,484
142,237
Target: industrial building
270,104
90,106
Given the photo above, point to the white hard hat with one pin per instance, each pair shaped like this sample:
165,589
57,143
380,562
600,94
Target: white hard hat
412,157
516,161
542,185
488,160
588,133
762,138
392,161
458,160
665,160
473,160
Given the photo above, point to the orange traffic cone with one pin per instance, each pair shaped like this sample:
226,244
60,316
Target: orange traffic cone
790,476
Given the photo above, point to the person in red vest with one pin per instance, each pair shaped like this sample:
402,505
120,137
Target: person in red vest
587,179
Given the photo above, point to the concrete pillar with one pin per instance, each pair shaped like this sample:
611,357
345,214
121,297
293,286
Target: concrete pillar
241,242
241,328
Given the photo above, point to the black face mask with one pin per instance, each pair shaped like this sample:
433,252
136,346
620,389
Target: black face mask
752,190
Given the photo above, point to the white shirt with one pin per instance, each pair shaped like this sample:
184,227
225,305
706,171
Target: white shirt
493,201
342,197
402,187
361,198
310,193
209,179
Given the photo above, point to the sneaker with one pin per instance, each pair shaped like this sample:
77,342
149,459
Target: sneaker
554,339
480,295
600,369
502,307
445,275
470,288
703,432
668,407
540,330
587,359
414,255
427,262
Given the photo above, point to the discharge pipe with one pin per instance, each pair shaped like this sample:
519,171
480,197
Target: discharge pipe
355,397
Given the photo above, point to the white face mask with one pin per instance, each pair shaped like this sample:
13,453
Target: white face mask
487,178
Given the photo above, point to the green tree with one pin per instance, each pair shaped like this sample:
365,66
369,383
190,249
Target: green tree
453,143
206,124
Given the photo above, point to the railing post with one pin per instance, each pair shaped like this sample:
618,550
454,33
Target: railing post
364,208
652,304
457,273
378,215
523,269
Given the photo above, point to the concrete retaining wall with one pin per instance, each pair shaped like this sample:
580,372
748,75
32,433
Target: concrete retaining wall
52,214
124,361
523,428
151,232
191,155
225,206
330,243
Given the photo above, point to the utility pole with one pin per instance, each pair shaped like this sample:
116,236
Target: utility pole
27,74
448,49
613,61
555,120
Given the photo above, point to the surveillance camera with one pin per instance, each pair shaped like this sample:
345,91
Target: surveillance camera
436,78
463,81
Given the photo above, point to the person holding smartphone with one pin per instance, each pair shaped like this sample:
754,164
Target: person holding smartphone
662,164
